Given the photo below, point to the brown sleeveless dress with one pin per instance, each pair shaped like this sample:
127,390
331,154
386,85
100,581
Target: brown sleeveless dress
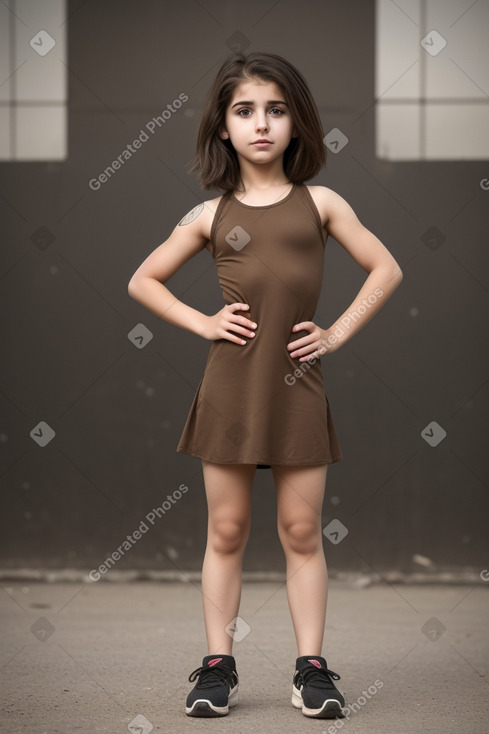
250,407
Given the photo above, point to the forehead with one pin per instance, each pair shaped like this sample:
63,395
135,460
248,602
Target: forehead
257,90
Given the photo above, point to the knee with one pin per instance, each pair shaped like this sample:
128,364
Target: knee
228,536
301,536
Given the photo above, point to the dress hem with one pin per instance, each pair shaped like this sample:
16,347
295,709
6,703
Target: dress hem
267,462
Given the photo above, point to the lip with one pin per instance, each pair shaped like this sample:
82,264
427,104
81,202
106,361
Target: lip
262,142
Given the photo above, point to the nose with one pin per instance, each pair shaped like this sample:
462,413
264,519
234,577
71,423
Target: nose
261,120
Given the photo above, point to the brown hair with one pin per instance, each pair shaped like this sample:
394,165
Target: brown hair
215,159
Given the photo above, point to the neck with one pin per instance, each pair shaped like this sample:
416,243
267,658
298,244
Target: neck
261,177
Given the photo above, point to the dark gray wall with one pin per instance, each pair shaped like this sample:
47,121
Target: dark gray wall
118,411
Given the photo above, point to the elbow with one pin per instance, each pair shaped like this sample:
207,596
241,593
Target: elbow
398,275
132,287
391,278
137,286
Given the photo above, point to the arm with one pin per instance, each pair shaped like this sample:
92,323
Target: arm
188,238
384,277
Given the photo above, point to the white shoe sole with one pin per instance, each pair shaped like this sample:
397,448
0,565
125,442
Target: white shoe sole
205,708
329,710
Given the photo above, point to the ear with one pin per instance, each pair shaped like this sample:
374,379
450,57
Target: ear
223,134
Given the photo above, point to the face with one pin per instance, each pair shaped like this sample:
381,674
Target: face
258,110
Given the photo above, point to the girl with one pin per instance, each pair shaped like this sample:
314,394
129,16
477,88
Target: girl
261,401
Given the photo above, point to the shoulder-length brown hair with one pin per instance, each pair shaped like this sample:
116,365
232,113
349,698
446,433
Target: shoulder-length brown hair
215,159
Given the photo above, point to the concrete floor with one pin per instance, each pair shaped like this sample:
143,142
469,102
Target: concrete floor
94,657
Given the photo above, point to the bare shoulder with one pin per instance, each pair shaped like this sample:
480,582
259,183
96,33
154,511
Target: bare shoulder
204,213
327,201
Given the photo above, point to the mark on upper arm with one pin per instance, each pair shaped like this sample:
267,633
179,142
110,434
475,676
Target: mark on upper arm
192,215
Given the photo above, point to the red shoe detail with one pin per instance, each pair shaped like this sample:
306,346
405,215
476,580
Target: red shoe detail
315,662
215,661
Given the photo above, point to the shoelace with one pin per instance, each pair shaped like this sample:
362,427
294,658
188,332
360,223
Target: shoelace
319,677
210,675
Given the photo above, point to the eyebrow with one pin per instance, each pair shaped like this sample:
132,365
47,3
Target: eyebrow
251,104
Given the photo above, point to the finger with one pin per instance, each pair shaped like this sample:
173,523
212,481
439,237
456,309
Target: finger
307,351
226,331
238,323
237,319
240,329
304,355
307,325
302,342
232,338
317,353
238,306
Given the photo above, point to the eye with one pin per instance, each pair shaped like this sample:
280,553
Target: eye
276,111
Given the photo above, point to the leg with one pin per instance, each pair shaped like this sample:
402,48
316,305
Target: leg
300,494
229,492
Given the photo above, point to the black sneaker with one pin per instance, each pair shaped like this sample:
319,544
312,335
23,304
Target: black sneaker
217,687
313,689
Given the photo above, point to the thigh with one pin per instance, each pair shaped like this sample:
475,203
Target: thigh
228,489
300,493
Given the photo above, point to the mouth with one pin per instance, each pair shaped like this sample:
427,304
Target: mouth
263,142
